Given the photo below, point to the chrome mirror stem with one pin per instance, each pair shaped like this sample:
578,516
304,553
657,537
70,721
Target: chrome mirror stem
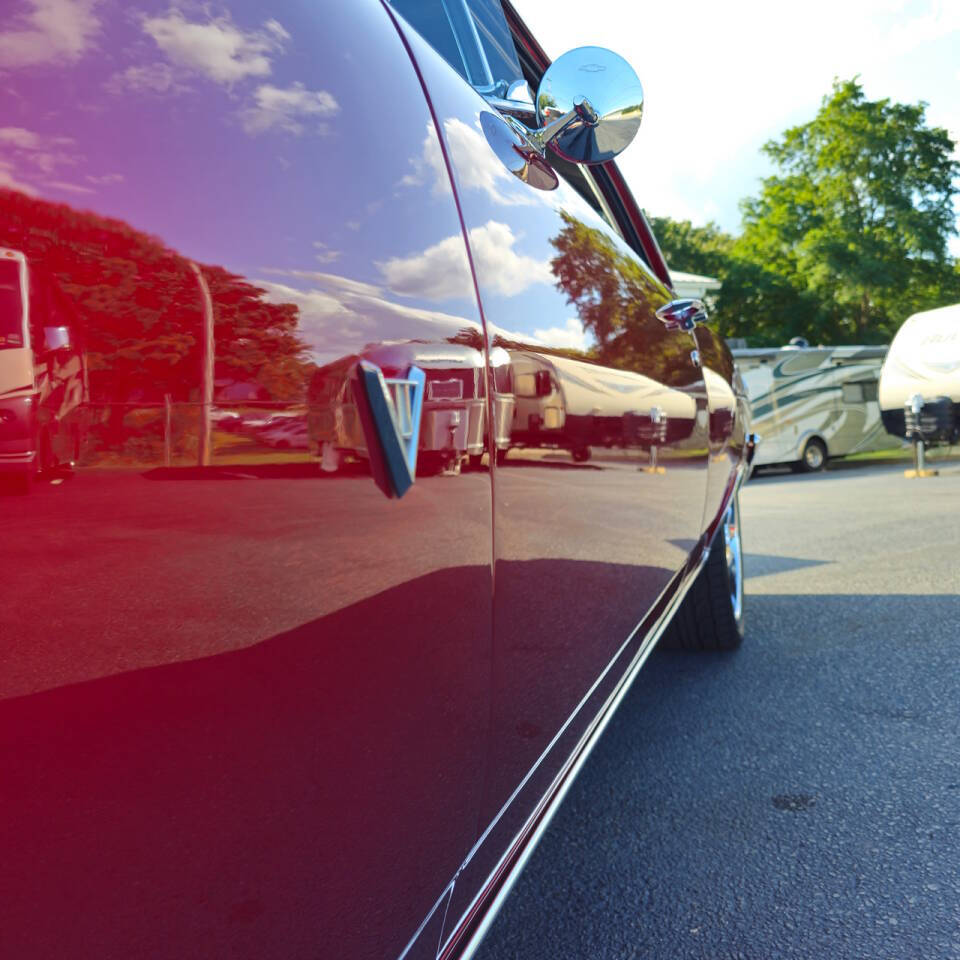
588,107
540,138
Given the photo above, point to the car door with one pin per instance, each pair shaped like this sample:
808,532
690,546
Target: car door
600,479
244,693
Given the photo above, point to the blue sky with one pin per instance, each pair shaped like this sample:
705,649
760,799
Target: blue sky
722,78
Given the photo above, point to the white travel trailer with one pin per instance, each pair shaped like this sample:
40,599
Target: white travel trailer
573,405
453,423
924,363
813,403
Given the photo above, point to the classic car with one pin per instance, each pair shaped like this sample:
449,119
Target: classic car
317,702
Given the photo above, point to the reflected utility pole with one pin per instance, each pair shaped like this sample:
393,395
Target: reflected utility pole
206,371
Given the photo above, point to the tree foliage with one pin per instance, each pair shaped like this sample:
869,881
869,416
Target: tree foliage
614,298
140,307
706,250
846,239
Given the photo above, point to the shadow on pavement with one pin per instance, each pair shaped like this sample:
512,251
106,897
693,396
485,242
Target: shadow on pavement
797,798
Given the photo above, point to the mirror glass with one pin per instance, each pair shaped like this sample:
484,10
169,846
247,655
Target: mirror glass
608,97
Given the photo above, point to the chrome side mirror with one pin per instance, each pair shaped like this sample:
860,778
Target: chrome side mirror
589,106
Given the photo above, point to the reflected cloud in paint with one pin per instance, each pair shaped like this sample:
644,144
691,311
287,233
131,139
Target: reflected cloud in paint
47,31
441,271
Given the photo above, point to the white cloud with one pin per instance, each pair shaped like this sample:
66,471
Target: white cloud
34,152
69,187
277,30
20,138
571,335
325,254
477,167
341,316
105,179
218,48
428,166
9,181
697,152
288,109
342,286
150,78
53,31
442,272
501,268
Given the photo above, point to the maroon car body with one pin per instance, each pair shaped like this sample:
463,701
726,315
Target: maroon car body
251,707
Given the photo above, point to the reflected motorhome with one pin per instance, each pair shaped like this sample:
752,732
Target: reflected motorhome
813,403
43,372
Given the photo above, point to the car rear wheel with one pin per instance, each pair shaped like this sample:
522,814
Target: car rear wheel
711,615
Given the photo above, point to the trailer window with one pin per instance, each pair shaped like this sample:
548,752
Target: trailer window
11,305
860,391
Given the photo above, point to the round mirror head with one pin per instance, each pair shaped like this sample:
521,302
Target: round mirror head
607,96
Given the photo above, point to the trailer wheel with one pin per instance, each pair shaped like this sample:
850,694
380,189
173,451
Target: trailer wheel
814,456
711,615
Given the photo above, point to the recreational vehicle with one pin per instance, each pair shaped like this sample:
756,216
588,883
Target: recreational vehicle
574,405
453,426
43,373
813,403
920,380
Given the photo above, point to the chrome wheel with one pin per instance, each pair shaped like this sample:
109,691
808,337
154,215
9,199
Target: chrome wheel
813,455
734,556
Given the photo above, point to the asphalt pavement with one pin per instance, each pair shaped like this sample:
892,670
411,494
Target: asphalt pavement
799,798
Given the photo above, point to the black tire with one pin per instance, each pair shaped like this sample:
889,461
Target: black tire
581,454
814,456
708,618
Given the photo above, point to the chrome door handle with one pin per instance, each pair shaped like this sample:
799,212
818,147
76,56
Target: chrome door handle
682,314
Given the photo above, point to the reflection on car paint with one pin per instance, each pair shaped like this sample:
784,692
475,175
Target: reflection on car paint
214,649
586,534
44,376
238,680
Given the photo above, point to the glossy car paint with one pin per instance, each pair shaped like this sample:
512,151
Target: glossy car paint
583,549
244,698
252,706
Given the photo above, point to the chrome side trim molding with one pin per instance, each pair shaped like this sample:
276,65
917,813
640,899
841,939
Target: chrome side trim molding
508,868
445,896
506,872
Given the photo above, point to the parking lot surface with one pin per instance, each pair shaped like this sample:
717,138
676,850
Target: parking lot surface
800,797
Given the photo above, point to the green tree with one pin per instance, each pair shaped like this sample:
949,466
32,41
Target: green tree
850,235
615,300
754,301
706,250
